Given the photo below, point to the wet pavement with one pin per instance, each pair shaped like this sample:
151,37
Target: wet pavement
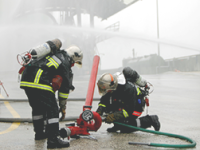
175,100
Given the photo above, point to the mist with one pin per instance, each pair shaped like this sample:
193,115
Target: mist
131,33
137,30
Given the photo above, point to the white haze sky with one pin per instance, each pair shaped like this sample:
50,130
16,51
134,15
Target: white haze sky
179,24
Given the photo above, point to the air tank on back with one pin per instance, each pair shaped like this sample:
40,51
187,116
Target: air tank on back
49,47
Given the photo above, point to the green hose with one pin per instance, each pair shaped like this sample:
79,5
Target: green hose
193,143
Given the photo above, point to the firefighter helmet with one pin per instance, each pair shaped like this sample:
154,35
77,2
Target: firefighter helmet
76,54
107,82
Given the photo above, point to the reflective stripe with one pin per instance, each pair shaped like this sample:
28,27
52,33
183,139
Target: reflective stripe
63,95
136,113
138,122
38,117
38,86
45,122
53,62
53,120
38,75
138,91
102,105
56,59
125,113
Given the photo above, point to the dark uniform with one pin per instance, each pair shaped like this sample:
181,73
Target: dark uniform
36,81
126,104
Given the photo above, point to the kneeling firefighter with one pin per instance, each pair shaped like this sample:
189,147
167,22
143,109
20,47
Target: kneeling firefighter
123,101
41,78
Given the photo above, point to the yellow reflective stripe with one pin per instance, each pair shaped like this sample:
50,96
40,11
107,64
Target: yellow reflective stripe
38,75
63,95
138,91
52,62
49,64
36,85
125,113
102,105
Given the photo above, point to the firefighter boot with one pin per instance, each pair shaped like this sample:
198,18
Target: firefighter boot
115,128
39,132
40,136
55,142
127,130
148,121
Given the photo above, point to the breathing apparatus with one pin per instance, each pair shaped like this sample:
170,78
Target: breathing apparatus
37,52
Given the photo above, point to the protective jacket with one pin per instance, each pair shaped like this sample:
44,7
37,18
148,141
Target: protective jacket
39,73
127,98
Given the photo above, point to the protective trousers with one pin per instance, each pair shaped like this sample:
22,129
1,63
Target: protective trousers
44,106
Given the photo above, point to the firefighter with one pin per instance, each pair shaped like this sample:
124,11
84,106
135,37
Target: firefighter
123,101
40,80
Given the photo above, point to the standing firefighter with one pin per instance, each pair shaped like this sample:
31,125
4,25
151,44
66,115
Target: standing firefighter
123,101
41,78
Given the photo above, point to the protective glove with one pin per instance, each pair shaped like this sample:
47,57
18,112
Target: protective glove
63,112
62,104
114,117
72,88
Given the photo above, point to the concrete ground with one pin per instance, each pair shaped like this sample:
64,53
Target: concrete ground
175,100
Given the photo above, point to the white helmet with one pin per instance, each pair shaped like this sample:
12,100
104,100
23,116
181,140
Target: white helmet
106,83
76,54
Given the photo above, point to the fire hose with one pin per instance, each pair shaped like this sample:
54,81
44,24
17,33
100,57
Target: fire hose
85,124
88,120
91,121
193,143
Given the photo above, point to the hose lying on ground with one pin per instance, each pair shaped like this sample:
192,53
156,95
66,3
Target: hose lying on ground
30,120
193,143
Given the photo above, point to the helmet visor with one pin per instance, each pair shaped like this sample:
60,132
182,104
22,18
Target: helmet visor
78,64
102,92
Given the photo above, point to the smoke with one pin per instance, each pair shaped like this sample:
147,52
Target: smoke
22,30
